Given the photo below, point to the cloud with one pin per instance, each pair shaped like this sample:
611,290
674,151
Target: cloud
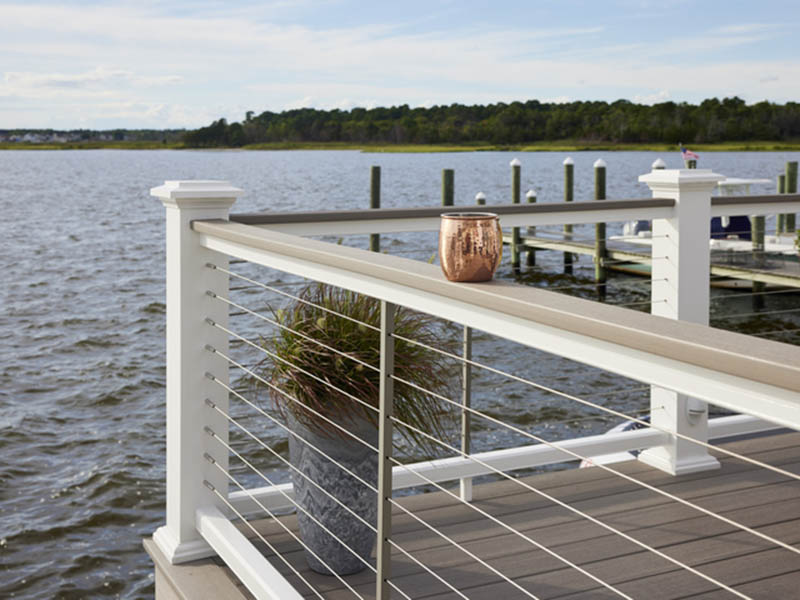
656,98
99,81
216,60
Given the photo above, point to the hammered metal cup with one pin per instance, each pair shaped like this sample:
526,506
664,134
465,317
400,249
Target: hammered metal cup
470,246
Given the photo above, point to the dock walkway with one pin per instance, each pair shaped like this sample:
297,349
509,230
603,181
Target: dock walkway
750,495
775,270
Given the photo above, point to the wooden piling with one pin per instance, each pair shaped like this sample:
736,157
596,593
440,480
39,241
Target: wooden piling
791,188
757,233
516,176
600,274
480,198
375,202
530,196
780,225
448,187
569,185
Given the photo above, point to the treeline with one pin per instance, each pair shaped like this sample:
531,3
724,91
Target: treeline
713,120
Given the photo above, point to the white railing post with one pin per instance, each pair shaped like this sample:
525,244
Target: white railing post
680,290
188,362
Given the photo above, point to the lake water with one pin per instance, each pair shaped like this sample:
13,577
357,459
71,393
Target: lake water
82,324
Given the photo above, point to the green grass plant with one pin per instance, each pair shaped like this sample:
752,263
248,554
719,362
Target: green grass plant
319,351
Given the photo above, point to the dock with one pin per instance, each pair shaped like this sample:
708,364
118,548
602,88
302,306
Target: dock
750,495
739,266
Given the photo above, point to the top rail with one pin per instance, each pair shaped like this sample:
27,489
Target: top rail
386,220
746,374
728,206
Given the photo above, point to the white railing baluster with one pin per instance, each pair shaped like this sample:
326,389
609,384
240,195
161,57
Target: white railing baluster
188,307
680,290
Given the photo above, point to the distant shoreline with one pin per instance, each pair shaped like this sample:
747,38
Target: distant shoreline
564,146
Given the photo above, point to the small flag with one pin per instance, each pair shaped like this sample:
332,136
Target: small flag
687,154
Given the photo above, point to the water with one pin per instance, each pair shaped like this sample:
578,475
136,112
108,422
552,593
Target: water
82,323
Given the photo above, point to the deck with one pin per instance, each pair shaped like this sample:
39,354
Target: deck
745,493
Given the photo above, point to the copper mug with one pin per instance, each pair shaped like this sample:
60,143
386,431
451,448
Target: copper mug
470,246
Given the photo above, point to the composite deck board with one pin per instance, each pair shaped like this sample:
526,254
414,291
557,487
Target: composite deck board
755,497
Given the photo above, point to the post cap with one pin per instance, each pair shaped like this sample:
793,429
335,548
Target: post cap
568,161
197,193
667,180
599,164
530,194
515,163
658,164
480,196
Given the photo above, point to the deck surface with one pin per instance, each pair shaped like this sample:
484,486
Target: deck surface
747,494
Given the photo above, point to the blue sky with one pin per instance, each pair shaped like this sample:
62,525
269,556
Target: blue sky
183,64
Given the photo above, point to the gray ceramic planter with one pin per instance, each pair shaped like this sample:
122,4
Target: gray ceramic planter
349,491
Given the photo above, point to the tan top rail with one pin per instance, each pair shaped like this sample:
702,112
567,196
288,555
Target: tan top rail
725,352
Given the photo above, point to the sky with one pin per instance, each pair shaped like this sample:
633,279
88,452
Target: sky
175,64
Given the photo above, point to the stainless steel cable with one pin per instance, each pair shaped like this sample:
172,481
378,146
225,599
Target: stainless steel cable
294,366
504,526
472,555
584,402
283,526
639,303
605,284
334,498
230,506
601,523
288,430
756,314
288,463
291,296
748,294
776,332
589,460
294,502
285,395
290,330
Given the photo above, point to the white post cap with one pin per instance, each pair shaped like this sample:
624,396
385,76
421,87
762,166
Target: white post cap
515,163
599,164
658,164
197,193
670,180
480,196
530,194
568,161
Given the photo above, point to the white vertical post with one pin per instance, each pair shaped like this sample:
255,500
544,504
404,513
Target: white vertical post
189,278
680,290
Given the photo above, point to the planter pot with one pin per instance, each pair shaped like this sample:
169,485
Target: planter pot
349,491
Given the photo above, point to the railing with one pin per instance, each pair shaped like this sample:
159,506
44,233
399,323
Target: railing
676,358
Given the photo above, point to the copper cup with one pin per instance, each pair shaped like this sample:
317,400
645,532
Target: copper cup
470,246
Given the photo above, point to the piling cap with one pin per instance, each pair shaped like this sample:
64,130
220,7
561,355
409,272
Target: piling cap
568,161
659,164
515,163
480,196
599,163
530,194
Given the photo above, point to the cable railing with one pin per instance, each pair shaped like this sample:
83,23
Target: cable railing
660,374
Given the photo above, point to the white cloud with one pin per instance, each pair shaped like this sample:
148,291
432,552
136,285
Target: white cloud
656,98
97,82
223,60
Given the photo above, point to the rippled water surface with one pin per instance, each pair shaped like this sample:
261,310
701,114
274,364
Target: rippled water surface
82,324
